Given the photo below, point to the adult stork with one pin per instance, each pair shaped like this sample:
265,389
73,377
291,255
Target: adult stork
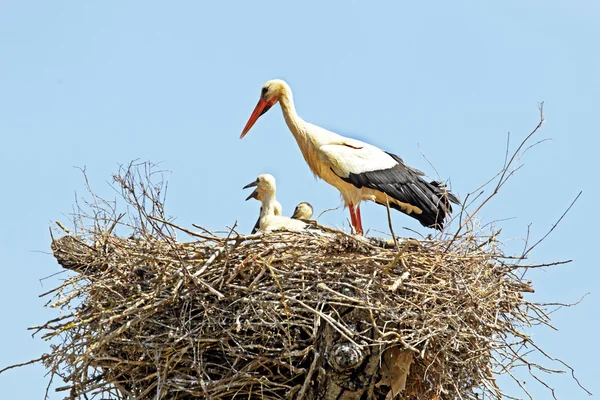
358,170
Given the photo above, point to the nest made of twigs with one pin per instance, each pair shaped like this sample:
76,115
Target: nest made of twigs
314,315
223,318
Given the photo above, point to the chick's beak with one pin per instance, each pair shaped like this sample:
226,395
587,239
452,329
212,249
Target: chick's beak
251,184
254,194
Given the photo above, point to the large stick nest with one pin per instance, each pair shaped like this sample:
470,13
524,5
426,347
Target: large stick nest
313,315
219,318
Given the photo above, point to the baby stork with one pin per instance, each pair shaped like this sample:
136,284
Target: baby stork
303,211
270,218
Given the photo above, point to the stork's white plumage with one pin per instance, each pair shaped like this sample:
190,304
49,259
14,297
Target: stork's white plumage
270,218
358,170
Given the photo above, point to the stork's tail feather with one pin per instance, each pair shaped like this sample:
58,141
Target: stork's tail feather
435,215
429,219
444,208
444,193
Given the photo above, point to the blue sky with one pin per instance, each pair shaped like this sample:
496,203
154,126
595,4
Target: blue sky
97,84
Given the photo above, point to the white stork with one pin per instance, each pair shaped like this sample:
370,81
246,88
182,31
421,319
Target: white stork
303,211
358,170
270,218
258,195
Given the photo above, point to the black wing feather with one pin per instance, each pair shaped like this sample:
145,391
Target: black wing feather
405,184
257,224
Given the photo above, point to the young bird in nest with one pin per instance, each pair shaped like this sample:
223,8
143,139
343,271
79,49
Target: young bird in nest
303,211
270,218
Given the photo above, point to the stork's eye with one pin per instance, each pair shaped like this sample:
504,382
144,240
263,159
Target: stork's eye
264,91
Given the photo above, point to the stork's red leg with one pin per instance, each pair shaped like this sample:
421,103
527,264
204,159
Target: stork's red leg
353,216
359,230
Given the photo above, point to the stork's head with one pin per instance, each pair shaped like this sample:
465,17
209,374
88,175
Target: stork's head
269,95
265,186
303,211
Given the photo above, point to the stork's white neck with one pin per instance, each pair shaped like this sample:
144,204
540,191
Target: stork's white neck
268,205
292,119
309,137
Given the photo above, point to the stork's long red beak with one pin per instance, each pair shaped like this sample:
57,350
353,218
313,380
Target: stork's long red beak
261,108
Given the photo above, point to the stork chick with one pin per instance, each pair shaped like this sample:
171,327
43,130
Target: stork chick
268,220
303,211
258,195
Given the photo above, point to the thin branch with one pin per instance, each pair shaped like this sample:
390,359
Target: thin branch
553,226
504,174
389,215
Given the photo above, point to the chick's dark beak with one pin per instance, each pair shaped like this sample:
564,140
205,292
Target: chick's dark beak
251,184
254,194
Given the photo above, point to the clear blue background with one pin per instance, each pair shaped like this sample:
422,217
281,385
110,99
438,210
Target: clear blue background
96,84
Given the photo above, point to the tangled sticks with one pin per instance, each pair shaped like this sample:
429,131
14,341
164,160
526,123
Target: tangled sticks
282,315
286,315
